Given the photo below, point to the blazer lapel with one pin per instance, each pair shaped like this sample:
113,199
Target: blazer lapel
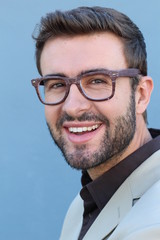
112,213
122,201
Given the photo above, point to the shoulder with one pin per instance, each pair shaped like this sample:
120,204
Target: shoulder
143,220
145,176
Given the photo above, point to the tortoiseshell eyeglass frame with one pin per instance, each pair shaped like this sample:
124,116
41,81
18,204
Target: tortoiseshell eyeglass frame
130,72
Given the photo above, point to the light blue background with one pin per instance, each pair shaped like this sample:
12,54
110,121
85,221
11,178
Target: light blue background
36,185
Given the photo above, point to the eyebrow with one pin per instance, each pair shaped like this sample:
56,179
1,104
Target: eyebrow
55,74
81,73
92,70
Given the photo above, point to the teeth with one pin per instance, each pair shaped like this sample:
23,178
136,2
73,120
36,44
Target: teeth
83,129
89,129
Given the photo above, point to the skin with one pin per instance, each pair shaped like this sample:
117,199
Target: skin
72,55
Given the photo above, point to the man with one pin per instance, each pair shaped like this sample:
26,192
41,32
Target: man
96,90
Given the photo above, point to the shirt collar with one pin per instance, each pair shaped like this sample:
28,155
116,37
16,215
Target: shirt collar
102,189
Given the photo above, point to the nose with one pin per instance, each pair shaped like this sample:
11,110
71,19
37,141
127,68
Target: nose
76,104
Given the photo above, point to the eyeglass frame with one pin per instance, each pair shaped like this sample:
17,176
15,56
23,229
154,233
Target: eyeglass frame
129,72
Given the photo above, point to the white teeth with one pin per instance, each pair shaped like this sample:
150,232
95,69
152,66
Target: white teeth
89,129
80,129
83,129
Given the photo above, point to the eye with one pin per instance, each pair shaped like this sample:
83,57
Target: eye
100,80
54,85
97,81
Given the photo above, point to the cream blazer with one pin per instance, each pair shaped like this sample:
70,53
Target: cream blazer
133,212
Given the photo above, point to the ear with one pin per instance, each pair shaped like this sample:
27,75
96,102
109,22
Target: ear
143,94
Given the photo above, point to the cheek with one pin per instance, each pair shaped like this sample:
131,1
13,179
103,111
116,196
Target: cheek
113,108
52,114
121,100
109,109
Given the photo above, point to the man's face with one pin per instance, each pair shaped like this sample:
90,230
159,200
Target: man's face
89,133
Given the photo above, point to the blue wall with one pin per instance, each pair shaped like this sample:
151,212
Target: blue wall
36,185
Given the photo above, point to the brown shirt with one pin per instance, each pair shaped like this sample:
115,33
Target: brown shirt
97,193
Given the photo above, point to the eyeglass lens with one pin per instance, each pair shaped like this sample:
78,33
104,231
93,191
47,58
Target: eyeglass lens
94,87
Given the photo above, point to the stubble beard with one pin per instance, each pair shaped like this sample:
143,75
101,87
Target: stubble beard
112,145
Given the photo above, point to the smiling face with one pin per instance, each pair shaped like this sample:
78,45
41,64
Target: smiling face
89,133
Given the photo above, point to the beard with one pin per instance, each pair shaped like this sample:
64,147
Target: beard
113,143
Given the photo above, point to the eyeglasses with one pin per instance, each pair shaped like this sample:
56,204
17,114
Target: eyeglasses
95,85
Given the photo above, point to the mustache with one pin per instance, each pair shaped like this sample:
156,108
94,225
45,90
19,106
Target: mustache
87,116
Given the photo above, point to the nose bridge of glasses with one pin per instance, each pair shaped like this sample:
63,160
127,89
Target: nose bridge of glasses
74,80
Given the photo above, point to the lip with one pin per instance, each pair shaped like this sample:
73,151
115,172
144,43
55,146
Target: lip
83,137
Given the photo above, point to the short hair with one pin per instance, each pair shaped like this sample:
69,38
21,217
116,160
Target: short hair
89,20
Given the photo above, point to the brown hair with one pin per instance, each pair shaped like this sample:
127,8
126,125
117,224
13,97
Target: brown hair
88,20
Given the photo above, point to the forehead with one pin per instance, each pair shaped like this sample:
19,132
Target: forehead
71,55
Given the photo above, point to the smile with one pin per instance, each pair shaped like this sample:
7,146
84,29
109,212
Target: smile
83,129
